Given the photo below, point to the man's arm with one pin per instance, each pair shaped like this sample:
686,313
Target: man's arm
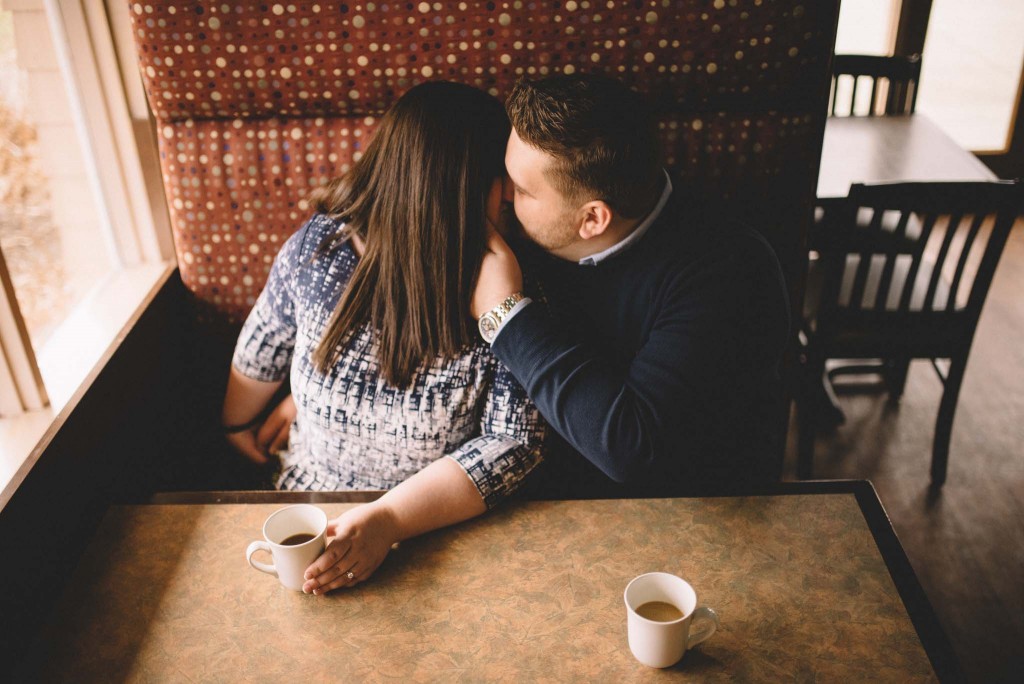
624,415
611,412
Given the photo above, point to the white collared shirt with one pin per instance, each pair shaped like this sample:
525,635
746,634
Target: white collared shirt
620,246
638,232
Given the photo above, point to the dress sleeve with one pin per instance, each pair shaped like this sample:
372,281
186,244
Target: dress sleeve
510,444
264,348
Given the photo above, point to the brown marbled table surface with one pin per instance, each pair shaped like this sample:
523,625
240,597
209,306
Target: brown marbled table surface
529,592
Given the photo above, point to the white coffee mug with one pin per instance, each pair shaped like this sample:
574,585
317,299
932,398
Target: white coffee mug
663,643
291,561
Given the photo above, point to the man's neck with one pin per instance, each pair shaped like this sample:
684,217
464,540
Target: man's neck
618,230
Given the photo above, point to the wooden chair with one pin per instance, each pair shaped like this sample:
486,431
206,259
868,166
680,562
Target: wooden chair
894,88
903,275
897,94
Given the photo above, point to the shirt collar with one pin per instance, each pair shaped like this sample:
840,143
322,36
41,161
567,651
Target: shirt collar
638,232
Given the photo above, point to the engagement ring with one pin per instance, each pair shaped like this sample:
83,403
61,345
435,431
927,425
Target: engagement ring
350,575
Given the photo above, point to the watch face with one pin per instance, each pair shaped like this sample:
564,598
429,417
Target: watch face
488,326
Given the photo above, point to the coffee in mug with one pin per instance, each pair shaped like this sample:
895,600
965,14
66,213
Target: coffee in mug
295,537
660,610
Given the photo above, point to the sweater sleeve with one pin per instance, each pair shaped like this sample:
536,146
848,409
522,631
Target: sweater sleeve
625,415
510,444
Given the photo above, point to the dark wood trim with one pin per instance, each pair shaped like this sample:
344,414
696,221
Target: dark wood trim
926,622
1009,163
65,416
107,432
912,27
796,275
262,496
911,34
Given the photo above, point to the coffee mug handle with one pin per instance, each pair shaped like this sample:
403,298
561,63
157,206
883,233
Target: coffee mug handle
262,567
709,619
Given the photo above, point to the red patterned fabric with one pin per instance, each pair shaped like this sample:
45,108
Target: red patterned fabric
258,103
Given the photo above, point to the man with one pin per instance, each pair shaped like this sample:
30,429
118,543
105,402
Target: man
656,356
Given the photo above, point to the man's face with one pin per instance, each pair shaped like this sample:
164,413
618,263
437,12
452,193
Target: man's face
545,215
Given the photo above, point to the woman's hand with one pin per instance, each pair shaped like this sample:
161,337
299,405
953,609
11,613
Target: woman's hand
361,540
244,399
245,444
439,495
272,436
269,438
500,276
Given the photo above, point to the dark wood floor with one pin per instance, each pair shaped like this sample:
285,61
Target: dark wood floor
966,544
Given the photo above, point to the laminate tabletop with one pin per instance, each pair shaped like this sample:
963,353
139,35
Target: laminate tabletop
861,149
805,586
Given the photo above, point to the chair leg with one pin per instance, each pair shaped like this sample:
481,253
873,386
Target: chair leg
829,411
944,423
896,376
808,412
805,442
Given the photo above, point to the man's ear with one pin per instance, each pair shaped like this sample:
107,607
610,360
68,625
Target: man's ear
597,216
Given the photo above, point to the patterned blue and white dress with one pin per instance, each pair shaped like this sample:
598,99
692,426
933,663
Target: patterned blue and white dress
354,431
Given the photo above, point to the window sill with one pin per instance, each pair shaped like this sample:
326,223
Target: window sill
69,360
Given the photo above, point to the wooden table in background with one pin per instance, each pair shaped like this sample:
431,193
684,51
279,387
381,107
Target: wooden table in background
891,148
808,578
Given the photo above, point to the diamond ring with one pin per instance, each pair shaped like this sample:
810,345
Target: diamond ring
350,575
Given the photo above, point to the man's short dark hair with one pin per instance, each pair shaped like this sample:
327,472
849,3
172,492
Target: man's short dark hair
601,133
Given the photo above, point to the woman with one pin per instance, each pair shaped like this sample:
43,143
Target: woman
367,308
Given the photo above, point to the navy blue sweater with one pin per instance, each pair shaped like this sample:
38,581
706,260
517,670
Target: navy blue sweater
660,365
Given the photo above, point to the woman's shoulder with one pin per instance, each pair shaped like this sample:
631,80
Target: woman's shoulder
311,245
314,233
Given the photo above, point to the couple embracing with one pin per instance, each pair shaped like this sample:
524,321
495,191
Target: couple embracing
641,349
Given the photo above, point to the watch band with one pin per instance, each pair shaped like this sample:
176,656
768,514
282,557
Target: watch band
490,322
506,305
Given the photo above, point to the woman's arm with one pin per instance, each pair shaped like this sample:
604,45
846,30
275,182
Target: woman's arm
262,359
244,401
437,496
476,476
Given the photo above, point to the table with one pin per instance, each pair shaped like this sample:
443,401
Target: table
891,148
808,578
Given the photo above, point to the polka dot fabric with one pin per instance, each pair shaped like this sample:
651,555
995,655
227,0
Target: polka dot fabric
259,102
237,189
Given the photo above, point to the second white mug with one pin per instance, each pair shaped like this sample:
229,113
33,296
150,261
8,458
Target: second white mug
662,642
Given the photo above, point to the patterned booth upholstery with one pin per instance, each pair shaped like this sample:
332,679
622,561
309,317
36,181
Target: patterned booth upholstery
257,103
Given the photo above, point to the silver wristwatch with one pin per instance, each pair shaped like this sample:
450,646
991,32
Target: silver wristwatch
490,322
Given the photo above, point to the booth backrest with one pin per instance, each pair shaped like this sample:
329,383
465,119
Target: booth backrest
257,103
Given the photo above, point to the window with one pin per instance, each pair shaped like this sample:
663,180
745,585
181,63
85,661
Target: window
54,231
80,242
971,70
867,27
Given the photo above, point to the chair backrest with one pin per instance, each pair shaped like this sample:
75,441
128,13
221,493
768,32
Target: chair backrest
907,253
258,103
893,82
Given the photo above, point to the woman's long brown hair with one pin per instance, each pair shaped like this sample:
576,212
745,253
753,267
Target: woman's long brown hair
417,199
